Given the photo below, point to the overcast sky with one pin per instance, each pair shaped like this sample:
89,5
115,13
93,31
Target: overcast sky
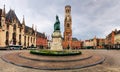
89,17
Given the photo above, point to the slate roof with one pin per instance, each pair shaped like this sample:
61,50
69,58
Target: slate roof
118,32
11,16
40,34
115,32
29,30
74,39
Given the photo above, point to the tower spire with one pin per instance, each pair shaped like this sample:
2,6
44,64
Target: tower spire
33,26
23,22
3,11
36,28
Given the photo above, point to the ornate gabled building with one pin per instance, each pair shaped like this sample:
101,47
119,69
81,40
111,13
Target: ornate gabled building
12,32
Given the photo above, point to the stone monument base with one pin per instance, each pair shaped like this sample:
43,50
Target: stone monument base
56,41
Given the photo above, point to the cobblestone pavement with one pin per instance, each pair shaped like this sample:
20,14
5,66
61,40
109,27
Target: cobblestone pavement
54,58
111,64
53,64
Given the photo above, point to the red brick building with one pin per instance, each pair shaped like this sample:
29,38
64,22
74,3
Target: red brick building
41,40
77,44
68,41
111,39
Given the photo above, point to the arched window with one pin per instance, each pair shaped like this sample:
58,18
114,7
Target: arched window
7,26
0,24
28,41
34,40
20,39
7,38
68,11
14,27
7,35
14,38
31,39
20,30
68,25
25,40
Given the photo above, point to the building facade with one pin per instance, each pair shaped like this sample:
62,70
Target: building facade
67,27
12,32
68,41
110,38
95,43
41,41
113,39
117,40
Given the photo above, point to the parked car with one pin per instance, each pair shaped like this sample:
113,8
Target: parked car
12,47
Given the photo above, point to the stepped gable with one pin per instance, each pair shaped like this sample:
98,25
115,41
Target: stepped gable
115,32
109,35
10,16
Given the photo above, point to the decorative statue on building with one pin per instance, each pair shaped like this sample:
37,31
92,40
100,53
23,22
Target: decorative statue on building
57,24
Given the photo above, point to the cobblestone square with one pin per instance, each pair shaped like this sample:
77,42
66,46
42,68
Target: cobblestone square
111,64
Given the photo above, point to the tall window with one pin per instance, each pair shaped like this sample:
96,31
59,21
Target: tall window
14,38
20,30
7,26
28,41
67,11
68,25
34,40
25,40
14,27
31,39
0,24
7,38
19,39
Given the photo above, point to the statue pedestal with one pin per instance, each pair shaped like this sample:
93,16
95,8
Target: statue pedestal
56,41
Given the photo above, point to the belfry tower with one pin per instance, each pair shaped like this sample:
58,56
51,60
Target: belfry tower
68,24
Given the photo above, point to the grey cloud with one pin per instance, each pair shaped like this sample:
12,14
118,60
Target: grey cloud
90,17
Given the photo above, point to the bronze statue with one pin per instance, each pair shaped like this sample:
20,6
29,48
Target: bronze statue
57,24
